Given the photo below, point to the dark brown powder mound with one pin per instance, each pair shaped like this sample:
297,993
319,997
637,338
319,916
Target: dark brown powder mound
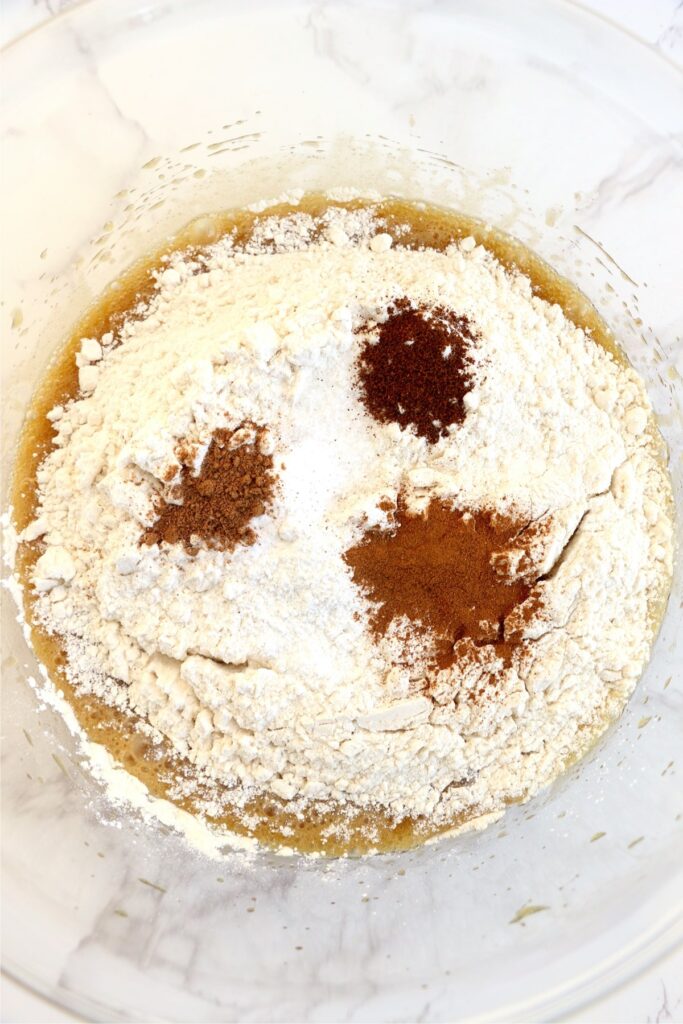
436,569
234,485
415,370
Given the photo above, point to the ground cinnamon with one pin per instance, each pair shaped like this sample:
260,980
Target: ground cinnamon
438,569
234,485
415,368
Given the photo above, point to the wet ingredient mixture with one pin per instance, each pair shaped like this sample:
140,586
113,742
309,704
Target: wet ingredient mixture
359,539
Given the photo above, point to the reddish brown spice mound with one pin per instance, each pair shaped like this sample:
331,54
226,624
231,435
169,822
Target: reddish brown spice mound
415,369
439,570
234,485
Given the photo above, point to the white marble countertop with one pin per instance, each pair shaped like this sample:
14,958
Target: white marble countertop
660,22
657,994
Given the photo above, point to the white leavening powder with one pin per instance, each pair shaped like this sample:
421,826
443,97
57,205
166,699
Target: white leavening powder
257,664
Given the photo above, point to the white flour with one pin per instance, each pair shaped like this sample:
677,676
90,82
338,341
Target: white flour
258,664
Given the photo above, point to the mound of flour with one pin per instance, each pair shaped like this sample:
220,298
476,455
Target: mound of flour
257,664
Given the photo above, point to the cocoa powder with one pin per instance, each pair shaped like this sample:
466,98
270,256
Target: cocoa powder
234,485
441,571
414,369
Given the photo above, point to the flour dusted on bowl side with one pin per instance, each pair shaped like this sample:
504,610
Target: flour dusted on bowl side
353,526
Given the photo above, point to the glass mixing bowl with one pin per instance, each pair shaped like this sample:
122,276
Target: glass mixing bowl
123,120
